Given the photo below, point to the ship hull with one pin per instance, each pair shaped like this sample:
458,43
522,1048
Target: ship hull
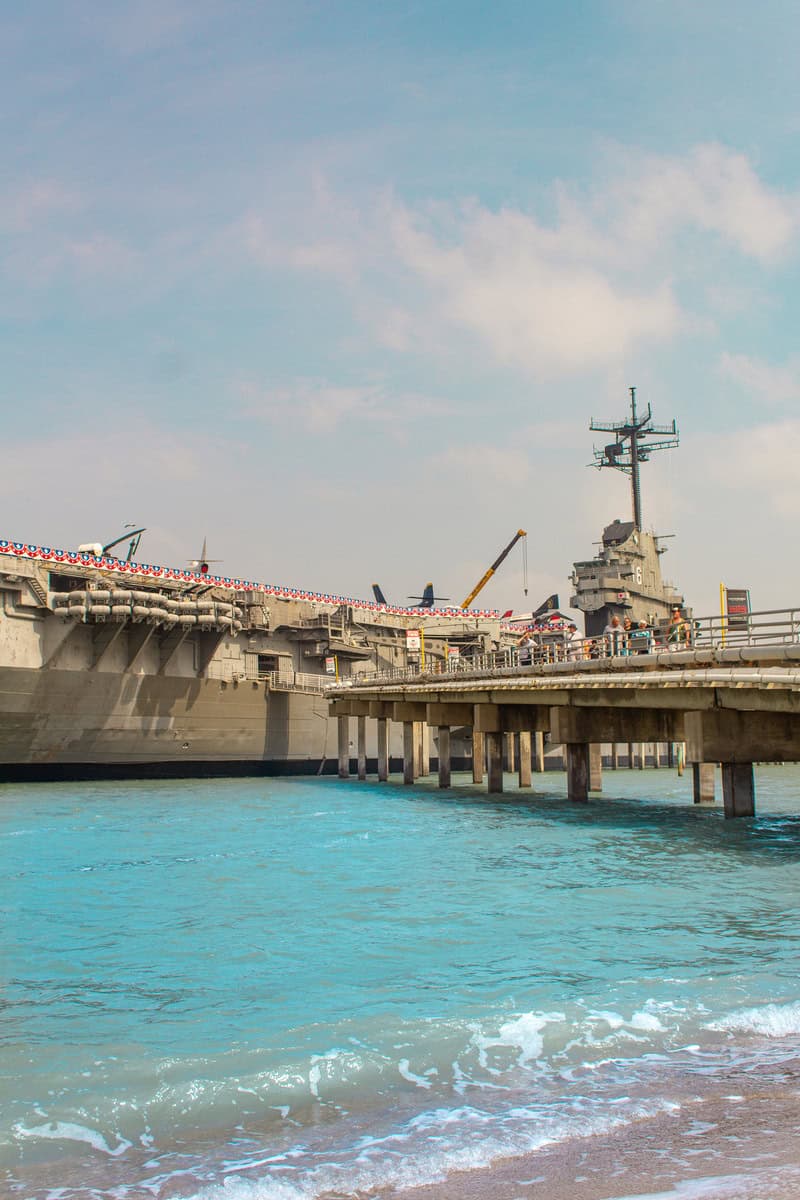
75,721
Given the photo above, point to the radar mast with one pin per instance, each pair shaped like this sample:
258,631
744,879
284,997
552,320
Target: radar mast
630,448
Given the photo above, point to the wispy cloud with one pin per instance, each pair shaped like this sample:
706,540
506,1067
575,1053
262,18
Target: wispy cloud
766,383
29,206
486,465
711,189
760,465
583,290
321,407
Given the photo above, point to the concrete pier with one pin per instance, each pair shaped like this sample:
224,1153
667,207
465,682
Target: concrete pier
444,756
494,761
511,764
738,790
418,748
735,714
362,747
408,751
538,752
478,756
383,750
524,759
595,767
578,771
343,731
703,782
424,749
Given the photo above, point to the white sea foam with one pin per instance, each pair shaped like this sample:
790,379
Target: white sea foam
433,1144
725,1187
523,1033
404,1067
769,1020
66,1131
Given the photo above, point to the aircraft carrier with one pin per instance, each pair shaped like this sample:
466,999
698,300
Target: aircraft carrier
112,667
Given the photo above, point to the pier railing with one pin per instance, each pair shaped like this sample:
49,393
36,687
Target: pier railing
773,628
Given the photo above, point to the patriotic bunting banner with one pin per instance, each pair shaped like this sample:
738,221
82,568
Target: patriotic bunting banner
73,558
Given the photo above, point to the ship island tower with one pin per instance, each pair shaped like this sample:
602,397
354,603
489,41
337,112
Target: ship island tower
625,577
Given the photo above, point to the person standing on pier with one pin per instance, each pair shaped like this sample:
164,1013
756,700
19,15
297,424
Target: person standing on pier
573,644
678,632
614,635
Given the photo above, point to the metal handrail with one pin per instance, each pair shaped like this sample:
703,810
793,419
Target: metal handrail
769,628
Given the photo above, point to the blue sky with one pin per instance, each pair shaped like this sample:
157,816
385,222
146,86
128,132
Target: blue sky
340,285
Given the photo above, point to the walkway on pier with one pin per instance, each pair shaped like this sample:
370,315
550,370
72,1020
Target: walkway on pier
734,705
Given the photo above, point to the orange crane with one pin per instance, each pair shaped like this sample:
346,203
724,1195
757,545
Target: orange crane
485,579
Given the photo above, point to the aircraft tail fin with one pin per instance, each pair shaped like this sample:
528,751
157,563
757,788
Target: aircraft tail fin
378,594
547,605
427,596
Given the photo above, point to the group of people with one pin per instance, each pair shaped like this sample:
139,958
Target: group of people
620,637
623,637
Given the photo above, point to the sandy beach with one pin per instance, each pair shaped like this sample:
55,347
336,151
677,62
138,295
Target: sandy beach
738,1141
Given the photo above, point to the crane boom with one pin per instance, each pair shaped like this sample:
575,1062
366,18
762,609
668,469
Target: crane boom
485,579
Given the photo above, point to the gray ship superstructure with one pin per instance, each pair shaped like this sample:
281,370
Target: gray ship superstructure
624,578
111,667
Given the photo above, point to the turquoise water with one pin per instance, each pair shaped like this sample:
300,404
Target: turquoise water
273,988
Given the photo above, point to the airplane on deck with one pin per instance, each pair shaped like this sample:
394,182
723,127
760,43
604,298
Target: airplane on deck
202,563
426,600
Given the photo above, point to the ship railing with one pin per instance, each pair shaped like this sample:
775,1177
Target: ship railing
233,671
296,681
773,628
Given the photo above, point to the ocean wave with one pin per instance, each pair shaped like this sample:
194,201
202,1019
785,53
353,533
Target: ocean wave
769,1020
427,1148
66,1131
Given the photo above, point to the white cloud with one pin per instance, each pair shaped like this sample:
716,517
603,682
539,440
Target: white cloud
711,189
764,381
24,209
760,465
588,289
487,464
521,289
321,407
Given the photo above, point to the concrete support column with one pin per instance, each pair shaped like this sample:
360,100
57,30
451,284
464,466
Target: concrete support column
444,756
631,763
595,767
642,755
417,749
477,756
362,747
656,748
425,749
344,746
494,761
578,771
670,754
511,763
738,790
408,751
538,752
703,782
524,759
614,756
383,749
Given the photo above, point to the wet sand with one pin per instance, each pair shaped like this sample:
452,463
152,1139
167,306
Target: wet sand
741,1140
